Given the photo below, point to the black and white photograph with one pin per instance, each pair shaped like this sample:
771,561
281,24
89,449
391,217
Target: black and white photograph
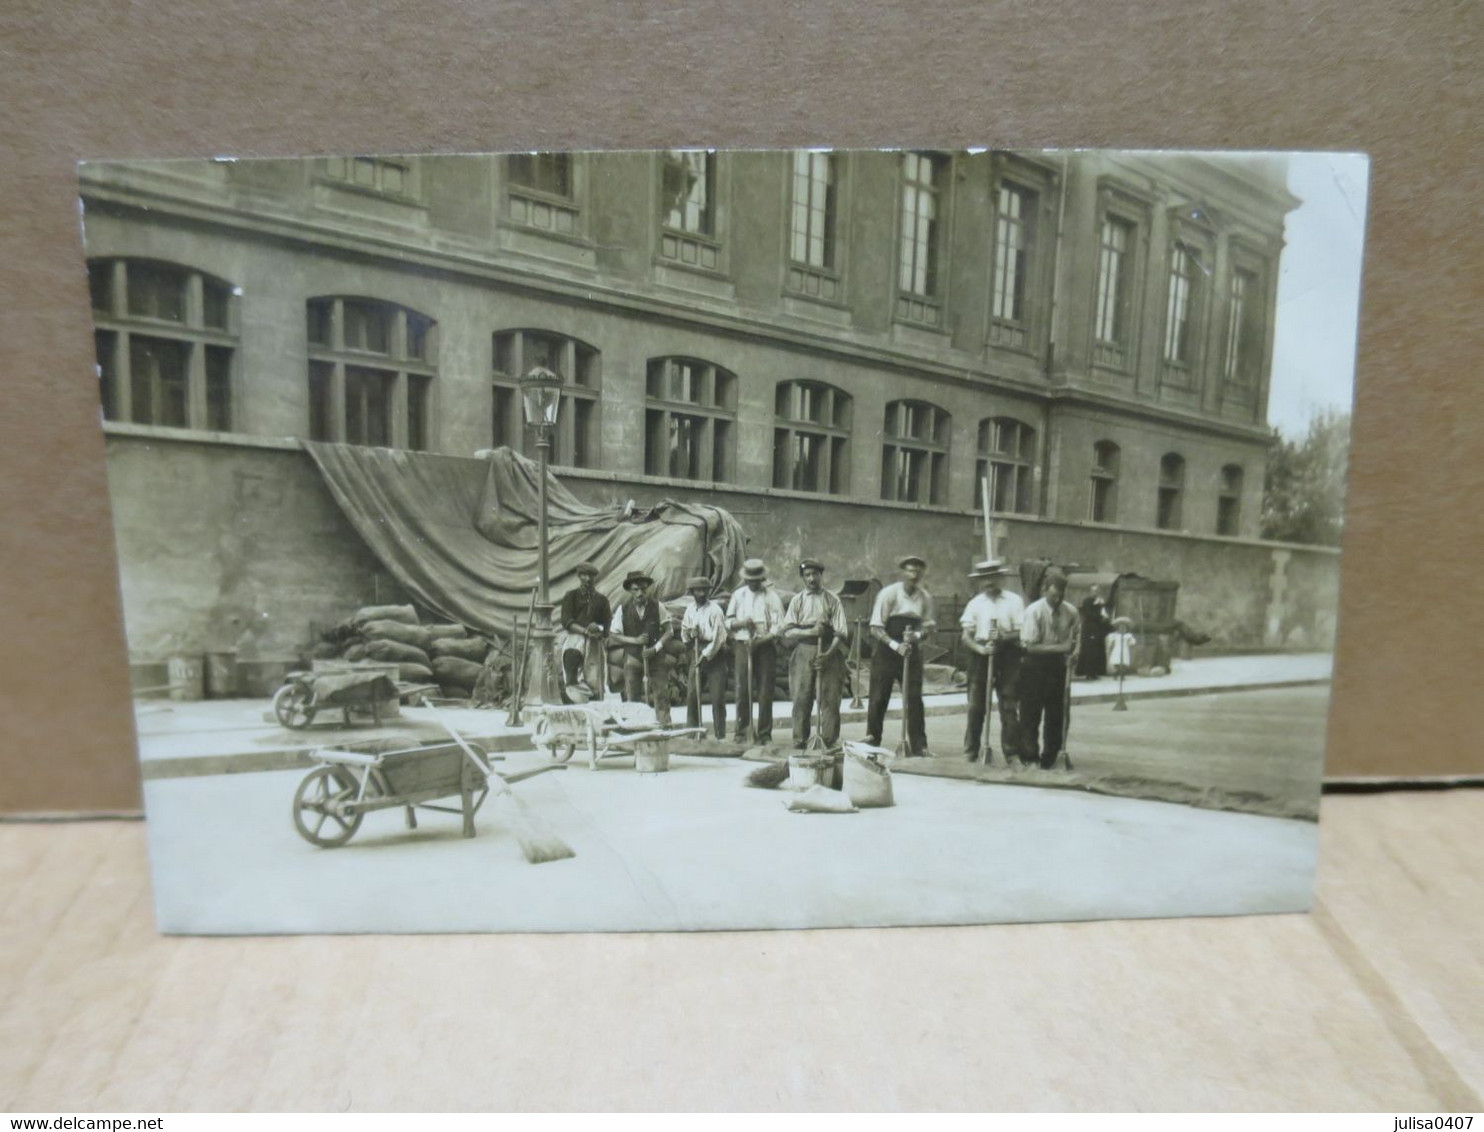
700,539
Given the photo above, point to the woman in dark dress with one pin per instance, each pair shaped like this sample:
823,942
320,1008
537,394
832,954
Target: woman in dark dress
1092,658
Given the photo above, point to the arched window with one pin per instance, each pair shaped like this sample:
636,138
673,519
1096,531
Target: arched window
1171,488
690,419
517,352
1007,458
166,341
1229,501
1103,500
914,455
811,437
371,370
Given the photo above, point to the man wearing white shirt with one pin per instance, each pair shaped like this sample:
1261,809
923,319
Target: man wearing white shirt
755,618
704,629
1050,633
815,622
991,632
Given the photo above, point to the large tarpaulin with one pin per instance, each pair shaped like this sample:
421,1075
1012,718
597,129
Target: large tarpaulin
460,535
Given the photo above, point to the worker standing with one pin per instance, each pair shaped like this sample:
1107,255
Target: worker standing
815,622
704,629
755,618
585,617
991,631
1050,635
640,628
902,616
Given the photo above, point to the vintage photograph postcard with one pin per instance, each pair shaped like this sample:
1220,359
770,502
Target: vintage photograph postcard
694,539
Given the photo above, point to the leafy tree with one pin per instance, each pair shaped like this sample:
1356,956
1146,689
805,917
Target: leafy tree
1303,494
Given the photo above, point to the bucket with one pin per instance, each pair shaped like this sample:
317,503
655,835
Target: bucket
805,771
187,677
652,756
867,782
221,675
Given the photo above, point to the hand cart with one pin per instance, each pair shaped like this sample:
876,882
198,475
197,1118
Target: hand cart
347,785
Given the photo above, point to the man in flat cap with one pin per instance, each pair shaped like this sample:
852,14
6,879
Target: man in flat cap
815,622
585,617
991,632
704,629
755,618
902,616
641,627
1049,633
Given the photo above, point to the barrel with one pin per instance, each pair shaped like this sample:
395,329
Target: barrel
652,756
187,677
221,675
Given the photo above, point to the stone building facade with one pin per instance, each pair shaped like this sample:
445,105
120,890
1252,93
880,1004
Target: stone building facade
848,348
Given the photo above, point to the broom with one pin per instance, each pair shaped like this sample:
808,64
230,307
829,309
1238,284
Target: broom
537,842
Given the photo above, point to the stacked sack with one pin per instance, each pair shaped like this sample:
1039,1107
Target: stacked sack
457,659
390,634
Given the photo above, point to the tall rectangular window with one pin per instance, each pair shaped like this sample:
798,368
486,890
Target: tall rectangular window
689,188
1012,239
1112,301
1244,329
921,212
812,231
1182,306
157,369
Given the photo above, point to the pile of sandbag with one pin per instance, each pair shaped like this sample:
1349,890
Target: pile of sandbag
446,655
458,659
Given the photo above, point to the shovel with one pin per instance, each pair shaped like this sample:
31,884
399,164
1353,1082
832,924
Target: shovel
904,749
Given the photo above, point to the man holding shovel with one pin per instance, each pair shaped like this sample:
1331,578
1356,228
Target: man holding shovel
639,628
755,617
704,628
991,633
815,621
1050,633
903,614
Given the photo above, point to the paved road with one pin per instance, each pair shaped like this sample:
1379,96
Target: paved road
695,848
1258,751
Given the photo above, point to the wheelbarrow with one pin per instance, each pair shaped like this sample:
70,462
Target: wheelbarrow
305,694
348,785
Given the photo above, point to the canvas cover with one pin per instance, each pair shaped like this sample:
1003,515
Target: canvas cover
461,536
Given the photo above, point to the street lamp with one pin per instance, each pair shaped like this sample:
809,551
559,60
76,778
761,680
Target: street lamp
541,395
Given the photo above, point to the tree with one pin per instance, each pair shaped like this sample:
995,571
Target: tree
1303,493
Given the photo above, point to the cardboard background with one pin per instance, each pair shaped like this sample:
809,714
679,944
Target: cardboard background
1400,81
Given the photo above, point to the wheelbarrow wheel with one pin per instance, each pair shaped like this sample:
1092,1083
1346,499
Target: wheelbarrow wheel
294,705
319,807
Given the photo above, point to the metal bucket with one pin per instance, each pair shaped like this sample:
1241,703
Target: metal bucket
805,771
187,677
221,675
652,756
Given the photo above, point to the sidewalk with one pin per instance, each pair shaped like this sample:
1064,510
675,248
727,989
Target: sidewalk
186,739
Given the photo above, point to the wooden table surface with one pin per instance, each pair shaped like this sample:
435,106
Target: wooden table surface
1375,1001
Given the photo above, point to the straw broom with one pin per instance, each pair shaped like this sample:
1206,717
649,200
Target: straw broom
537,842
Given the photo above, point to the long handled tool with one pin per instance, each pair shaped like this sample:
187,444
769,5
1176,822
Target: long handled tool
517,695
903,748
989,713
644,660
693,690
751,698
855,667
537,842
1066,713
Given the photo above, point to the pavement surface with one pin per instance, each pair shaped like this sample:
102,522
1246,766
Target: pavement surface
695,848
238,736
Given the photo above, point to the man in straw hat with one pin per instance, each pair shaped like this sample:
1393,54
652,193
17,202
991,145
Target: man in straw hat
641,628
815,621
1049,633
991,633
755,618
585,617
902,616
704,628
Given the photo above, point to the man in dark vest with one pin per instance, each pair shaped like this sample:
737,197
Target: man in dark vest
815,621
902,617
585,617
643,629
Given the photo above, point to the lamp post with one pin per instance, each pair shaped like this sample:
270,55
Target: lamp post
541,396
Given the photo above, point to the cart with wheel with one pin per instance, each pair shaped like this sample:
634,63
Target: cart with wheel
305,695
347,785
604,730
